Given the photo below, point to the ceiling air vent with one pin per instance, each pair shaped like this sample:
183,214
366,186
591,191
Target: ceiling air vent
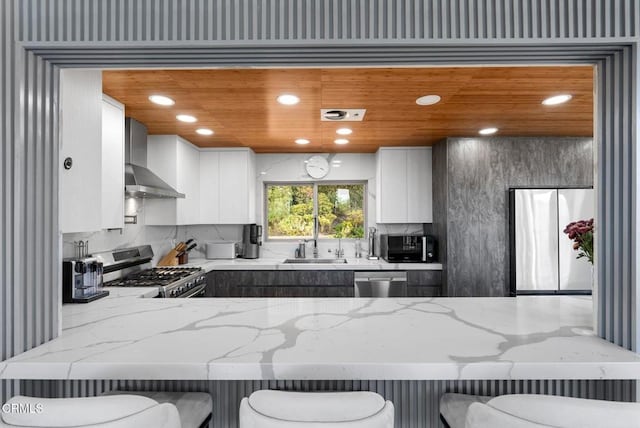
342,115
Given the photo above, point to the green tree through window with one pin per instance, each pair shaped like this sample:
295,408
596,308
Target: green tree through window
291,209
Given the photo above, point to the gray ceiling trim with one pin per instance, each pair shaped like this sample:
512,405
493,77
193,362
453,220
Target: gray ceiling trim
382,55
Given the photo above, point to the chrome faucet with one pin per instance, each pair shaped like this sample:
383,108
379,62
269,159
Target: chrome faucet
315,236
372,244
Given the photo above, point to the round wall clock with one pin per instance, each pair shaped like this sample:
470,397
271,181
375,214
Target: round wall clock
317,166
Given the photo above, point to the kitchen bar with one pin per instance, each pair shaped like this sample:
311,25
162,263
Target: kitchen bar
127,337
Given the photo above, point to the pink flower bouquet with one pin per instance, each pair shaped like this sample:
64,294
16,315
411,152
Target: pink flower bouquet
581,233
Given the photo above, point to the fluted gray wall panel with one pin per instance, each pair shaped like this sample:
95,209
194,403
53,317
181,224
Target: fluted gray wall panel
29,241
616,242
311,20
416,402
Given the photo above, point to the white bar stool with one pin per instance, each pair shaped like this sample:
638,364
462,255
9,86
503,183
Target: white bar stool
115,409
194,408
536,411
284,409
119,411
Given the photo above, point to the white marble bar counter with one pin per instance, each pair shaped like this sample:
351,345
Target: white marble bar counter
278,264
126,337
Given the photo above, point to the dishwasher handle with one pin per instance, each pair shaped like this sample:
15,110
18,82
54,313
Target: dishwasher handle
391,280
380,276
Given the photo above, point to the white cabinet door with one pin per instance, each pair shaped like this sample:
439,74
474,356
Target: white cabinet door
112,163
177,162
234,187
404,193
209,187
81,140
419,197
251,187
188,182
392,186
227,186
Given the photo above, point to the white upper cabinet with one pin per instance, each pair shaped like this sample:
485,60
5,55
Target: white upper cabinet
81,142
219,184
210,187
403,185
419,188
189,180
227,192
112,163
177,162
391,197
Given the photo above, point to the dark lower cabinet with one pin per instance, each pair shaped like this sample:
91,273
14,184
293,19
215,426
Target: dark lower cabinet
276,291
307,283
424,283
280,284
424,291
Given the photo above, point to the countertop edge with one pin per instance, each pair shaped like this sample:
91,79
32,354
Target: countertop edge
277,265
294,371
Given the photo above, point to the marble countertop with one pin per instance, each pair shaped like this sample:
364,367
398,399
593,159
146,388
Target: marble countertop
122,293
277,264
125,337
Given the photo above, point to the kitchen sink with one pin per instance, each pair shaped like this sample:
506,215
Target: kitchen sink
316,261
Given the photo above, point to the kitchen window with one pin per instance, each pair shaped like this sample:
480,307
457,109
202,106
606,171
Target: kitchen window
292,207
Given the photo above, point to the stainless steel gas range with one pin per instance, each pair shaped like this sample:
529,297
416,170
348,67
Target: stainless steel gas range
131,267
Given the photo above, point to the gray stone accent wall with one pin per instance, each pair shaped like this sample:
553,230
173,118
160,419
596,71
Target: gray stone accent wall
471,179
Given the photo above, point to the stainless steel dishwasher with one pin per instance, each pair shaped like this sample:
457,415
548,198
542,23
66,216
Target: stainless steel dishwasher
380,284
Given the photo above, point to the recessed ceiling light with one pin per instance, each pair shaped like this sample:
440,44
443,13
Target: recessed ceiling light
341,141
161,100
186,118
428,100
488,131
344,131
302,141
288,99
204,131
557,99
336,161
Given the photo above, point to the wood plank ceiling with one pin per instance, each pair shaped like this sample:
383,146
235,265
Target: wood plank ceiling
241,107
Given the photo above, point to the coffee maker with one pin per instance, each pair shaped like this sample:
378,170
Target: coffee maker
82,280
251,241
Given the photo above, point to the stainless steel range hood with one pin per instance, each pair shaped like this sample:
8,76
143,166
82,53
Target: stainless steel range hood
139,181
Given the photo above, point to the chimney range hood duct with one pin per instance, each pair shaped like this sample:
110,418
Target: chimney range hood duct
139,181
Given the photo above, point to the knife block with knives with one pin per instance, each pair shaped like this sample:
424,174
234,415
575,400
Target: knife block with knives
179,254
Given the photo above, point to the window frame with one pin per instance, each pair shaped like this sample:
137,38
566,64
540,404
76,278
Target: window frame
315,184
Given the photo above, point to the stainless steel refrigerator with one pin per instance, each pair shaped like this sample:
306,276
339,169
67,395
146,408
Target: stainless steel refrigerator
542,258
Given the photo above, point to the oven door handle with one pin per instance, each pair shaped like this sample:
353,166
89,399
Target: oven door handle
194,291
